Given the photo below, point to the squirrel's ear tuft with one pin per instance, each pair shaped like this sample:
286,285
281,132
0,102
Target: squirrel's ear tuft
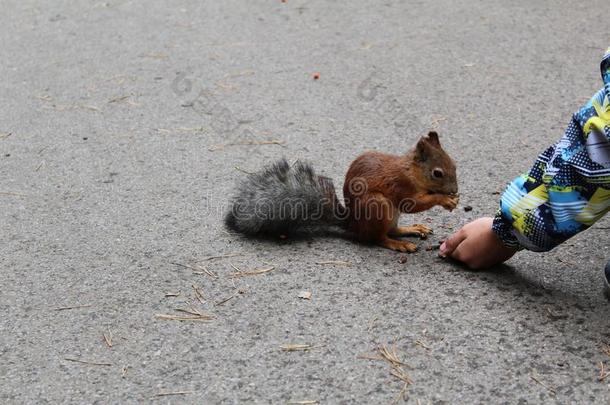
433,138
422,149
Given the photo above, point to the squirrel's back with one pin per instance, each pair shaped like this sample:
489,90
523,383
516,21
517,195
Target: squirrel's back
281,199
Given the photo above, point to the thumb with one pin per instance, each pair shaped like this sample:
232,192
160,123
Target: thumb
451,243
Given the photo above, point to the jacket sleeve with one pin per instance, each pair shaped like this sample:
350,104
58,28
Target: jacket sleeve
568,188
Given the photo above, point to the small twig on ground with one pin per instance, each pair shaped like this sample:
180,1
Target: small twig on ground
297,347
194,129
220,146
190,311
255,272
108,338
179,129
396,370
198,293
606,349
552,390
172,294
205,271
237,293
422,344
390,356
224,301
168,393
399,373
336,262
194,318
222,256
305,402
239,169
402,395
12,193
196,270
90,363
71,307
603,374
65,107
118,99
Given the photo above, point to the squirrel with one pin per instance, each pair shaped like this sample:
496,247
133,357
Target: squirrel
282,199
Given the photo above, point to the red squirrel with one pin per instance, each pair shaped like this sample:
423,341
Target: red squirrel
282,199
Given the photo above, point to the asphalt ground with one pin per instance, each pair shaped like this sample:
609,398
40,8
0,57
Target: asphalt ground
124,126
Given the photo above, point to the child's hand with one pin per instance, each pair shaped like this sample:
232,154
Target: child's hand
476,245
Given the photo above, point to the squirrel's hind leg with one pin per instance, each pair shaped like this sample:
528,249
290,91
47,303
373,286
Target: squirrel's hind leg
414,230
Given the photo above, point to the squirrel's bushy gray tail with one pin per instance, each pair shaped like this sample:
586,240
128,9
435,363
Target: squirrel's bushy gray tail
282,199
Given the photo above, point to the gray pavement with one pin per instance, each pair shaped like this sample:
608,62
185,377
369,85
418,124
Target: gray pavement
124,126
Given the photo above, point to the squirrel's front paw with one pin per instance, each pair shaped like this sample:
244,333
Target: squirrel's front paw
449,202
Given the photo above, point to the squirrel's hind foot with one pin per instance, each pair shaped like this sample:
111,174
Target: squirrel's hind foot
414,230
398,245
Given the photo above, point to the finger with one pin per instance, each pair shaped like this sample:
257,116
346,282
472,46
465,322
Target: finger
451,243
461,254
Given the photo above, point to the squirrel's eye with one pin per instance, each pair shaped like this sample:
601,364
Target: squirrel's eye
437,173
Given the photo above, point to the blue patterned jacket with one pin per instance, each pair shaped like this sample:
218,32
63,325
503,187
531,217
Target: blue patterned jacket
568,188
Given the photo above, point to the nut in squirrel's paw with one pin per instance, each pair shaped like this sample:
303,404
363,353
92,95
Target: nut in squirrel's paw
450,202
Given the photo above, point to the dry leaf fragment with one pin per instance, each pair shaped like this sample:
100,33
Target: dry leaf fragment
306,295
